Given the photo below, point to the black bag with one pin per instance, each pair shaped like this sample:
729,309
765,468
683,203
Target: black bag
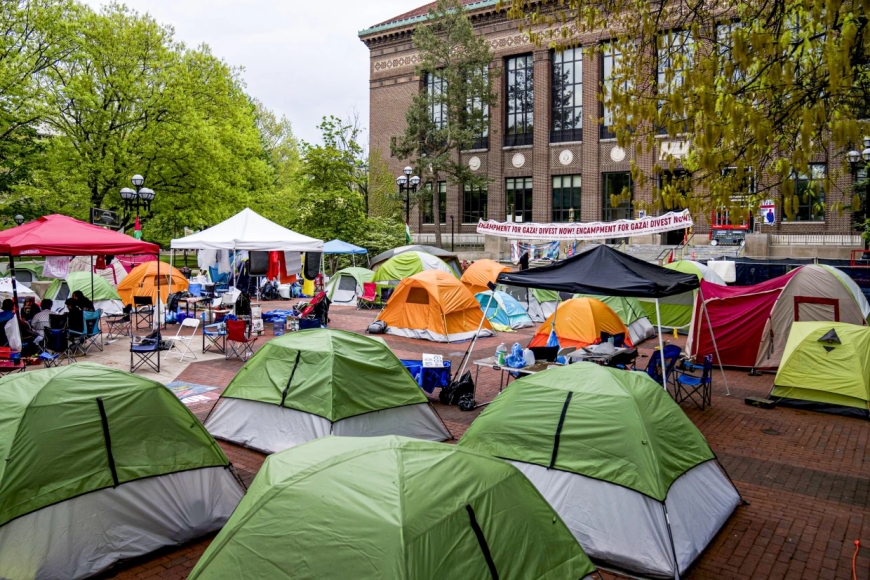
377,327
243,304
459,389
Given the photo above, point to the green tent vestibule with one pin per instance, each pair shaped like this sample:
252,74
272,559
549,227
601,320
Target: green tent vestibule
101,465
391,508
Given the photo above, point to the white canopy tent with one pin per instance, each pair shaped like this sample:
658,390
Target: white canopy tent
248,230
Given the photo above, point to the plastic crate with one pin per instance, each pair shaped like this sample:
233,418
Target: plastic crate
428,378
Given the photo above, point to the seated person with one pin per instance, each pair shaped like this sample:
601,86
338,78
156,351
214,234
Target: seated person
7,313
83,302
75,315
41,322
30,309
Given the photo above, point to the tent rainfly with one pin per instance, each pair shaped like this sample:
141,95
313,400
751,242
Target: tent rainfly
504,312
580,322
605,271
309,384
628,472
449,258
825,367
479,274
390,508
752,323
101,465
677,309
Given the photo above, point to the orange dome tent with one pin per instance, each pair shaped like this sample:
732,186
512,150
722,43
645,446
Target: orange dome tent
580,322
479,273
142,281
434,305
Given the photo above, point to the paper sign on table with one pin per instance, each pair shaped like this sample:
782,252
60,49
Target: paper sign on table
433,361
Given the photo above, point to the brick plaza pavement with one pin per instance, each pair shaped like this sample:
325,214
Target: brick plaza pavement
805,475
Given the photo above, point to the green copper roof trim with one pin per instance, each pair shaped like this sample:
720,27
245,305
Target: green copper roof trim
421,18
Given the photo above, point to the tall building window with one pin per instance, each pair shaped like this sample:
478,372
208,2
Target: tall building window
481,141
810,192
676,52
617,187
567,124
520,101
426,203
566,198
435,88
519,198
473,204
611,60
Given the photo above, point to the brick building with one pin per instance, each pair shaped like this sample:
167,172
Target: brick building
547,157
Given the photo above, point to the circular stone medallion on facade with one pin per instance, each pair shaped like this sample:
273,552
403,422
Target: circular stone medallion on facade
518,160
474,163
617,154
566,157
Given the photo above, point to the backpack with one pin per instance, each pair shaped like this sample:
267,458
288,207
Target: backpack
377,327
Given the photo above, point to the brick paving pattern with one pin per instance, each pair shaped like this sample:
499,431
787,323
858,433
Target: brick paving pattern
804,474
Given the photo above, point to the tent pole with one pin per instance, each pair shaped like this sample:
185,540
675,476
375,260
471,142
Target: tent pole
661,346
713,337
14,286
92,278
157,306
172,265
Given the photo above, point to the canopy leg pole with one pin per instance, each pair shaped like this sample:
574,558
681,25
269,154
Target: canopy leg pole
92,278
157,305
713,337
14,286
172,265
661,346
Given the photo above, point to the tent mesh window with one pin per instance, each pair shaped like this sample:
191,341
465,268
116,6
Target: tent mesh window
418,296
347,283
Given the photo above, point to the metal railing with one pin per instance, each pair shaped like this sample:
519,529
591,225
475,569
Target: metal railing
679,250
815,240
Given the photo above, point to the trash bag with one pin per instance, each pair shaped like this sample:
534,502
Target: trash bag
377,327
243,304
451,394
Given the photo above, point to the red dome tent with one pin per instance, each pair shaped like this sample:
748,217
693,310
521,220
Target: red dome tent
60,235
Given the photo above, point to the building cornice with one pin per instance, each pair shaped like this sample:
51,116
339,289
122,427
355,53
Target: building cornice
401,26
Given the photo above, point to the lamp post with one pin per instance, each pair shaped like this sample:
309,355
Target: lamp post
855,161
19,219
407,185
139,197
451,234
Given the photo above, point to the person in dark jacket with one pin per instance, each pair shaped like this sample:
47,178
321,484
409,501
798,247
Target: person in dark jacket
524,261
30,309
83,302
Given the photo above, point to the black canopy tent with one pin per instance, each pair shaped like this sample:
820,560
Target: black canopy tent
604,271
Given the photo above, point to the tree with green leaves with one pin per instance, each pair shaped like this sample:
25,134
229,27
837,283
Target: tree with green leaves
453,112
383,199
760,89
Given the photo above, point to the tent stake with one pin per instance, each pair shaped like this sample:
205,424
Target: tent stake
661,346
713,337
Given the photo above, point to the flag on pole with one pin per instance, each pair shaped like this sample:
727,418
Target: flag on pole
407,233
137,231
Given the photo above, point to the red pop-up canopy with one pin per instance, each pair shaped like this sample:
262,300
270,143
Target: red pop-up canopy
59,235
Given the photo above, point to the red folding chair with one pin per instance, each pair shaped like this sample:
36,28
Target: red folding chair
368,297
318,298
239,341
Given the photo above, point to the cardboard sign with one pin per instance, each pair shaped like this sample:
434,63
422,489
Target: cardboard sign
432,361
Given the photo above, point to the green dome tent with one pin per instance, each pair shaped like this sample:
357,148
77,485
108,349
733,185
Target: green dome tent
312,383
631,312
347,284
401,266
825,367
104,296
101,465
617,458
677,310
391,508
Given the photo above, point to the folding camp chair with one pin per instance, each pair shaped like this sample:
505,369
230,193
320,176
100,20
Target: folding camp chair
90,335
143,351
214,337
654,368
119,324
182,343
368,297
220,281
143,311
56,347
693,388
239,342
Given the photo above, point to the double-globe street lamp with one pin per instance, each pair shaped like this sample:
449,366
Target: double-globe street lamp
139,197
407,185
856,160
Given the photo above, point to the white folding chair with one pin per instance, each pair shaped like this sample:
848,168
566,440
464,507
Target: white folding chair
182,343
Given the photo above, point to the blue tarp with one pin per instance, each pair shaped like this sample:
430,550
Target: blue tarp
339,247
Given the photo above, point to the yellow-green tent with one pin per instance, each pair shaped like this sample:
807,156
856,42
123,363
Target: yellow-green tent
826,367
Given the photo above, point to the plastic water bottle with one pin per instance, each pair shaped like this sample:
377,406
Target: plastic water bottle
500,354
529,357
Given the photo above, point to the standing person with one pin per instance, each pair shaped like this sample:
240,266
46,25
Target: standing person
524,261
30,309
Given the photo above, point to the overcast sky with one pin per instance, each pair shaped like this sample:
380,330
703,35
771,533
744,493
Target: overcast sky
301,58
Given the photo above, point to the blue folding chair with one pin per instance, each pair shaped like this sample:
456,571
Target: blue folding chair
56,347
90,335
143,351
654,368
693,388
221,281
